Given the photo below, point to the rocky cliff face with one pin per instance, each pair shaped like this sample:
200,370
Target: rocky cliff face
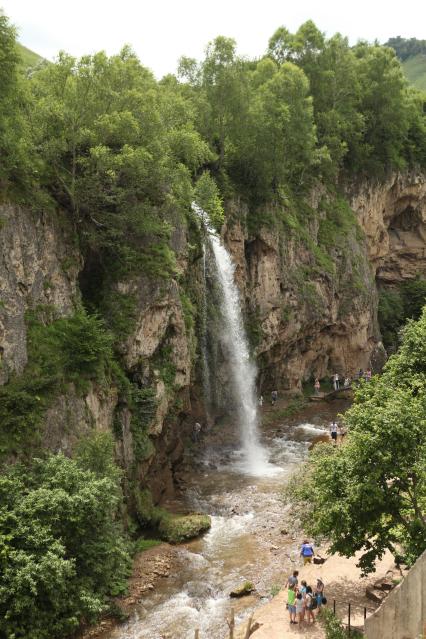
312,323
308,323
39,266
303,320
393,217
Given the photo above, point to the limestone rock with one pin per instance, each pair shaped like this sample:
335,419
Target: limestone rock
242,590
38,267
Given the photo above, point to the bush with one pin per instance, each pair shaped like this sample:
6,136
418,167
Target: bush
62,550
334,629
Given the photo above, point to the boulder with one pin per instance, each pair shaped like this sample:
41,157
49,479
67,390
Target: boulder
374,594
384,584
178,528
243,589
318,559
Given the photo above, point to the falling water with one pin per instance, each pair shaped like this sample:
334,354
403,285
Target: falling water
243,371
204,356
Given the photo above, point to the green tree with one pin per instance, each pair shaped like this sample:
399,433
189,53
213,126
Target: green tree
16,153
285,131
370,495
62,549
384,105
208,198
223,82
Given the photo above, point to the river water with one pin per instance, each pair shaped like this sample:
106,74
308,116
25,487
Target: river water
245,541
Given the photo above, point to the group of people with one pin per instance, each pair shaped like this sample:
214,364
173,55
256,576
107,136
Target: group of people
274,397
303,600
344,381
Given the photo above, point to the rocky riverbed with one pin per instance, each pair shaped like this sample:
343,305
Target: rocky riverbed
176,589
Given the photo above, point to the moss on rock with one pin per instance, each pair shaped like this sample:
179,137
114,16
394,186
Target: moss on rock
178,528
243,589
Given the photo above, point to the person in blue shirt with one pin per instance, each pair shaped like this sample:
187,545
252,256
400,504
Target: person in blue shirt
307,552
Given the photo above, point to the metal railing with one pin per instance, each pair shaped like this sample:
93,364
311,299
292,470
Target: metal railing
350,609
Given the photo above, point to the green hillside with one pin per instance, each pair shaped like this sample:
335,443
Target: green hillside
412,54
415,70
29,58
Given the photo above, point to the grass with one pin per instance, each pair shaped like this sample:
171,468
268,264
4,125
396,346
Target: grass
415,70
141,544
29,58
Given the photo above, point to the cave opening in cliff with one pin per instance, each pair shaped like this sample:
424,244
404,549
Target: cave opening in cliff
406,220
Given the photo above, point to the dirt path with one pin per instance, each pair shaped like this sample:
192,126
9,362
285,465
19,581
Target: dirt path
343,583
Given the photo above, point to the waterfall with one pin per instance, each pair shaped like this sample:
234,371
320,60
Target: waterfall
204,355
242,368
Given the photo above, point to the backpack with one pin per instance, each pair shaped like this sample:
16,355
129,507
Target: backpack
313,603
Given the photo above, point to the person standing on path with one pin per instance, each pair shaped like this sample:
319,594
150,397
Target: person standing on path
311,604
336,381
261,401
317,386
302,590
274,397
291,603
293,579
196,432
319,592
300,607
333,431
307,552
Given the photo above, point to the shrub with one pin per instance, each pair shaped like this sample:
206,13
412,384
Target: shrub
62,550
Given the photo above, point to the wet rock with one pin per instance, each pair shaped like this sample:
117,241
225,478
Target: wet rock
242,590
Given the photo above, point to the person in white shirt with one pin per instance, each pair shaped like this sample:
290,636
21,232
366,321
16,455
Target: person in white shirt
333,431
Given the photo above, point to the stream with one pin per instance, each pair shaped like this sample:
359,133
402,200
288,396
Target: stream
248,539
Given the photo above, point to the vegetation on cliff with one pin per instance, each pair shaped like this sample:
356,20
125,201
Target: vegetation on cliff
370,494
398,304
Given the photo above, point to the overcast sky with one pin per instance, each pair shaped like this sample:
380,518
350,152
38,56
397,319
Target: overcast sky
161,31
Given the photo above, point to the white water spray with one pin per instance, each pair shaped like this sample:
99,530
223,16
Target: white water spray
243,370
205,361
